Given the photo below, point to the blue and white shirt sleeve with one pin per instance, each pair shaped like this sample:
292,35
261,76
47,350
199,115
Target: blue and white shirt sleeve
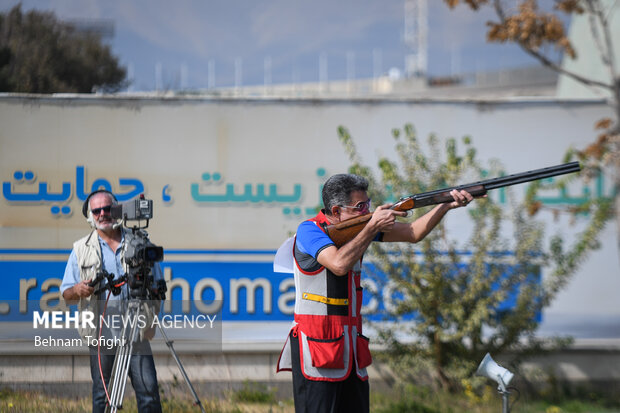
72,273
311,239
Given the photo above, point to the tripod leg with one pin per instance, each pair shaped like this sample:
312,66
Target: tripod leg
183,373
122,360
118,379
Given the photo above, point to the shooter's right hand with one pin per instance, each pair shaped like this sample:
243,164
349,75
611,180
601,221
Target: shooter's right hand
383,218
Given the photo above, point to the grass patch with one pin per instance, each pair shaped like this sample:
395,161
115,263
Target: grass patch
252,392
24,401
258,398
411,399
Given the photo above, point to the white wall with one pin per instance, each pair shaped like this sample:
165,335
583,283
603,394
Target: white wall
173,142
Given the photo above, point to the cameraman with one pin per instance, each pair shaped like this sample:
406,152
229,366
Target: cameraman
103,250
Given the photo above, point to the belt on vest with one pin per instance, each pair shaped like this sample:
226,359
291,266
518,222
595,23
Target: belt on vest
325,300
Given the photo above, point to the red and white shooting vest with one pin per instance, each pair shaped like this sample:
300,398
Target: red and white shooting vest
328,324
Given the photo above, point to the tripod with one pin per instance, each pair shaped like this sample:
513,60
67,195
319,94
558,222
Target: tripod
122,359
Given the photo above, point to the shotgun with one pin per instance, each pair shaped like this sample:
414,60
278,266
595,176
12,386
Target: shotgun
345,231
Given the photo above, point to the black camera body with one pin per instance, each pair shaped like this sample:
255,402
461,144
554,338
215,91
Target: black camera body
140,257
140,253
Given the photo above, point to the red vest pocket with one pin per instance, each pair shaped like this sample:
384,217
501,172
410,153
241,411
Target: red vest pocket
327,353
364,359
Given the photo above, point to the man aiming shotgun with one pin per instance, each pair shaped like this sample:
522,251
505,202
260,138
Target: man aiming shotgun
325,349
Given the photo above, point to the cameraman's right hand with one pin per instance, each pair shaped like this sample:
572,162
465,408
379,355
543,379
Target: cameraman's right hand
80,290
83,289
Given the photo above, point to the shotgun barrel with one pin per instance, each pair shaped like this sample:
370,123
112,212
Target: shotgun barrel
344,231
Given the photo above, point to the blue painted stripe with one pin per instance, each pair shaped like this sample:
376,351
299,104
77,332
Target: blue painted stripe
235,252
34,251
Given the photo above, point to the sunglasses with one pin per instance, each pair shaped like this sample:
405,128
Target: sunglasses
360,207
106,209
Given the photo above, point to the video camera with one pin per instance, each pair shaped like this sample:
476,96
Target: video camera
140,253
140,209
140,256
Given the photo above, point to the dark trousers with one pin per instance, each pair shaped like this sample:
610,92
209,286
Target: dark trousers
143,379
349,395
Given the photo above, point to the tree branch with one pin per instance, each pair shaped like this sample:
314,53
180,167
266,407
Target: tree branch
596,9
546,61
605,49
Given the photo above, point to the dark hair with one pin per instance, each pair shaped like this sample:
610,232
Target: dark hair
338,188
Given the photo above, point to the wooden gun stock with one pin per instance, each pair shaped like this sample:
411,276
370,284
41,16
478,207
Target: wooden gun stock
345,231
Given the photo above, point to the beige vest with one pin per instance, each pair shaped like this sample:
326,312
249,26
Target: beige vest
90,262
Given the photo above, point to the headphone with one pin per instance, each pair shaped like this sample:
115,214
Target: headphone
86,207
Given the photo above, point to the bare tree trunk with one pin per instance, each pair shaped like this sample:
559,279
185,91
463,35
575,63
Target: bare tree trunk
614,147
444,381
617,209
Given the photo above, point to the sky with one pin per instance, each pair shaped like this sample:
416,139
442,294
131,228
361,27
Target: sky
197,44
